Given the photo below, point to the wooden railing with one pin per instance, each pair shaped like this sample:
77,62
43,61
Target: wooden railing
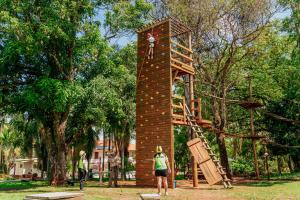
181,58
179,112
181,46
179,115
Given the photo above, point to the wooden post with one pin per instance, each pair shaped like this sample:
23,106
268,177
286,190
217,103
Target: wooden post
192,106
192,103
200,108
190,46
184,112
195,172
266,156
253,132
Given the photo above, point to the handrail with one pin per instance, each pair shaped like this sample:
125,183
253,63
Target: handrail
188,69
181,46
181,63
178,116
182,55
177,97
177,106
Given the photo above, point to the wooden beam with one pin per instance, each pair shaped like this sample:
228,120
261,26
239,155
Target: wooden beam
179,122
178,116
181,46
181,63
177,106
184,111
185,69
177,97
182,55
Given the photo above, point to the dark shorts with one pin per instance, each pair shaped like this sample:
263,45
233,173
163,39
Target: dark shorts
82,174
162,172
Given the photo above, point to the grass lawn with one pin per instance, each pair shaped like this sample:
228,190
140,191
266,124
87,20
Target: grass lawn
250,191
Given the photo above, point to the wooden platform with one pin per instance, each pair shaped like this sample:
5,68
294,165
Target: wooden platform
55,195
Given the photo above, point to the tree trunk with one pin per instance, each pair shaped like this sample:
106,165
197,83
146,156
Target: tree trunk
235,145
290,164
279,164
296,161
58,149
219,125
123,163
74,162
58,166
223,153
103,152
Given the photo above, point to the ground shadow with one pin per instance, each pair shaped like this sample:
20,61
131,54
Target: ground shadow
262,183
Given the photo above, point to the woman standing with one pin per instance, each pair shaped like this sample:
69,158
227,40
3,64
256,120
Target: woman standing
161,168
82,168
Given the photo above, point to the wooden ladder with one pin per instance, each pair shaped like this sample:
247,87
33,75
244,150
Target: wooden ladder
197,130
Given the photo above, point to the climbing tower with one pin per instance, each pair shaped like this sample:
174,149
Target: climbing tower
159,107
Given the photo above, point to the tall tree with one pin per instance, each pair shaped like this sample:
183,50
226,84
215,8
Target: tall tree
45,50
222,35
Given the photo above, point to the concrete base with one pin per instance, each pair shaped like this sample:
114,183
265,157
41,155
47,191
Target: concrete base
149,196
55,195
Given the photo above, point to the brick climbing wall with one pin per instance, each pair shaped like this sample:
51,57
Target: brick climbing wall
153,105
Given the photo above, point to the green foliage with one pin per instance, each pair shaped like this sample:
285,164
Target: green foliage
126,16
242,166
62,72
181,153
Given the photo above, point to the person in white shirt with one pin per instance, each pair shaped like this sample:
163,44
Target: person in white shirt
114,161
151,41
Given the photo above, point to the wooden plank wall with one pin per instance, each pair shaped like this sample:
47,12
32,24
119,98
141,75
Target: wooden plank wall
153,105
207,165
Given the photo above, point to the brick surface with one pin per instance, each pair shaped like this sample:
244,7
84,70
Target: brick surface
153,107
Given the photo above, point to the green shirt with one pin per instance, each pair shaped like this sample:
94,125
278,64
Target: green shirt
80,163
161,160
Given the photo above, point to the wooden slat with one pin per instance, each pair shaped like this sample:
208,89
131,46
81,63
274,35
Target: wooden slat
177,106
182,55
178,122
181,63
177,97
181,46
193,141
184,111
189,70
203,121
207,165
178,116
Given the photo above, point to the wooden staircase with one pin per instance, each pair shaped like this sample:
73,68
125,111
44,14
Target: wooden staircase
201,156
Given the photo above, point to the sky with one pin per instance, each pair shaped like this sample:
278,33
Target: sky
122,41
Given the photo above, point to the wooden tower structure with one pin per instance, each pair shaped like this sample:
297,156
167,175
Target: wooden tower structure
155,77
159,107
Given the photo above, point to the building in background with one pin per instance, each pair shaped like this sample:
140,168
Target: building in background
27,167
100,148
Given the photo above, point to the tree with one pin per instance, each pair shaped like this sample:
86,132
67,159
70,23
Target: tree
47,48
223,32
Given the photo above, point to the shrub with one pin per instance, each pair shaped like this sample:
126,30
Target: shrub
242,166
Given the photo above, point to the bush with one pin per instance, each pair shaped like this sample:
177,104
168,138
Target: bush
242,166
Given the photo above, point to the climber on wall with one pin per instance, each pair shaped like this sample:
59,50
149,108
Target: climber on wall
151,40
